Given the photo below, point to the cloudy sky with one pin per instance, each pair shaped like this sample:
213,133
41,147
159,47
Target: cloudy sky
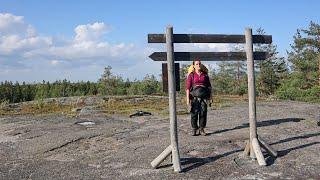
74,40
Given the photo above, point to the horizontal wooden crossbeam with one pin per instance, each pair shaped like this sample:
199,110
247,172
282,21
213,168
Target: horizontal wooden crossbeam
208,56
209,38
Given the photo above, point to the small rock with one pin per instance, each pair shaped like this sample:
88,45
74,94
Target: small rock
94,165
194,153
76,110
89,110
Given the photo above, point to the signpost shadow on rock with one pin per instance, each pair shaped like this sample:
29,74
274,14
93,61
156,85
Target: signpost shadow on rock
270,122
255,142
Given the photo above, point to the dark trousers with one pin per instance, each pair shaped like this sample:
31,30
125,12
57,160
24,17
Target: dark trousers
198,113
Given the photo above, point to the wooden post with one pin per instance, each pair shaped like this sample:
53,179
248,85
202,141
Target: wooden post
255,150
172,100
251,89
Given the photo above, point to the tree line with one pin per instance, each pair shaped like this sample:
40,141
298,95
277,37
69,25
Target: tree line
296,77
107,85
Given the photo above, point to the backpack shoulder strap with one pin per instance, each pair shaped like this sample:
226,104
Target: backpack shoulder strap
192,79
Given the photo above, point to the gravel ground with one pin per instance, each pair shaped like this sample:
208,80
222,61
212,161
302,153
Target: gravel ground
118,147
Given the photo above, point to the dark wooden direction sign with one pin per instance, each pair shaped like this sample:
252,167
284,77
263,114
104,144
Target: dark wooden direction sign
165,76
209,38
208,56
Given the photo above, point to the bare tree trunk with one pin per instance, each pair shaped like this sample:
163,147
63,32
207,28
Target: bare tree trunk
319,66
237,78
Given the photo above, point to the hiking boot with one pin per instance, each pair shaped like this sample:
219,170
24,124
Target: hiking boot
194,132
202,132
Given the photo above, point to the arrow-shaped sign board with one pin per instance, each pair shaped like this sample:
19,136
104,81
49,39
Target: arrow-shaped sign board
209,38
208,56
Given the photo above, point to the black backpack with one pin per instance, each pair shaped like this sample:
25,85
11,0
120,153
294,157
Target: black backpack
199,91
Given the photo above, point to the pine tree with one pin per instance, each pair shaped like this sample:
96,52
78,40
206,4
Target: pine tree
304,56
17,94
231,77
183,78
272,71
224,80
238,70
110,84
303,81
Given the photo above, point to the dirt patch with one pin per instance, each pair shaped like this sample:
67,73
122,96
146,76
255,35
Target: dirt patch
119,147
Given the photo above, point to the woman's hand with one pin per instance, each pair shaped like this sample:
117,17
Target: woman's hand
188,97
210,100
188,100
189,105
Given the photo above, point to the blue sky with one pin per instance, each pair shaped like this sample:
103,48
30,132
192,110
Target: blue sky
50,40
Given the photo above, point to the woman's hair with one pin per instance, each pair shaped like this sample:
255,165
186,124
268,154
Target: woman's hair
197,59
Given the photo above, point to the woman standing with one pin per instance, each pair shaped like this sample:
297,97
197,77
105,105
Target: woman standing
198,91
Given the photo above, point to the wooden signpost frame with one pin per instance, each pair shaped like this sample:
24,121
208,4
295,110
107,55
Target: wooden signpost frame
255,142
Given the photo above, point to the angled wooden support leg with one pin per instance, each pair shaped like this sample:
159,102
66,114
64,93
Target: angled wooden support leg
258,153
267,147
252,154
155,163
247,149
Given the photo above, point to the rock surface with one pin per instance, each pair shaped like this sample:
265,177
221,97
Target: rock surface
117,147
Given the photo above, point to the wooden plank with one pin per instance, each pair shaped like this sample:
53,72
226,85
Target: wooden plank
258,153
208,56
157,161
209,38
165,76
267,147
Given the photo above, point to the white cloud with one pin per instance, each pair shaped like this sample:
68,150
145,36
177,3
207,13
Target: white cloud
203,47
87,47
26,55
54,62
18,37
10,44
10,23
90,32
23,50
31,31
